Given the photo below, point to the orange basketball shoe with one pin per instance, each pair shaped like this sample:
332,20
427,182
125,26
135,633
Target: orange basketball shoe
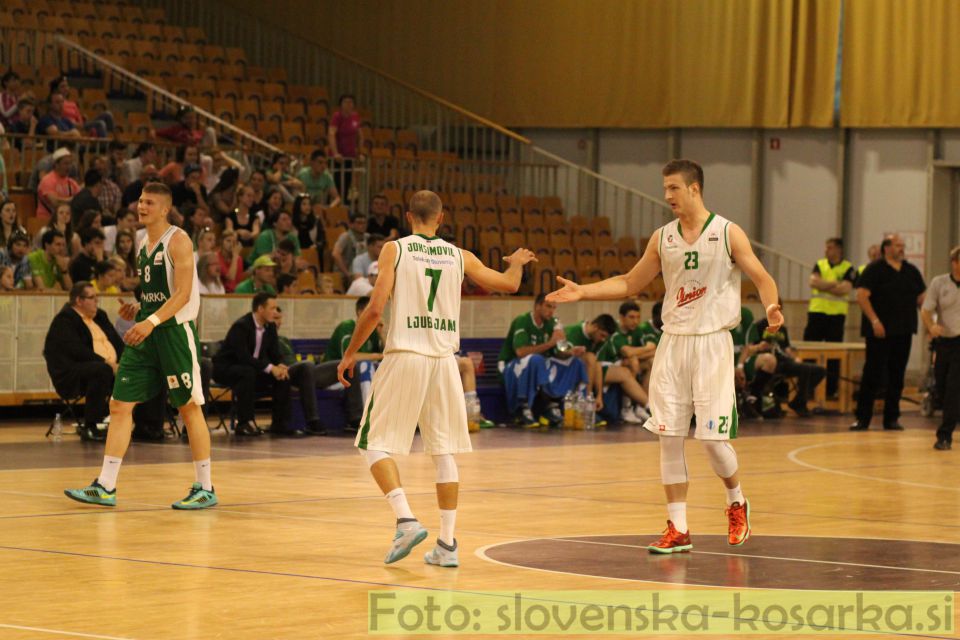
738,515
672,541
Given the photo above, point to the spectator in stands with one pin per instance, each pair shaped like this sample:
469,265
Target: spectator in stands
82,350
89,220
60,222
24,121
57,186
268,240
272,206
84,264
190,196
287,285
258,183
364,286
88,198
145,154
532,378
280,178
305,222
368,355
100,126
223,197
306,376
250,359
262,278
789,365
216,165
131,194
318,181
205,242
350,244
285,258
56,123
126,250
208,272
242,220
108,276
360,266
50,264
187,130
172,172
9,96
14,255
231,264
889,291
9,225
381,221
110,194
345,138
116,156
126,221
7,282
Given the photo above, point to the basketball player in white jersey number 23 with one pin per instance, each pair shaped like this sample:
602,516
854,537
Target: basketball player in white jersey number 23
419,381
701,256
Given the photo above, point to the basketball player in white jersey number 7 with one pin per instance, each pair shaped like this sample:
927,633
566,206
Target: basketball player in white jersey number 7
419,381
701,256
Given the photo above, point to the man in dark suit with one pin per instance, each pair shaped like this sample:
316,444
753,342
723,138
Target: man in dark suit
250,359
82,350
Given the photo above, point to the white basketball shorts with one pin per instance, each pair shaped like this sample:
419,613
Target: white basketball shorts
410,389
694,375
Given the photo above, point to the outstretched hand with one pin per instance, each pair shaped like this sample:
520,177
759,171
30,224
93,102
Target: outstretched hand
570,292
520,257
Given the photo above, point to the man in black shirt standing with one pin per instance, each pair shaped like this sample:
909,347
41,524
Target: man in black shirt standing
889,291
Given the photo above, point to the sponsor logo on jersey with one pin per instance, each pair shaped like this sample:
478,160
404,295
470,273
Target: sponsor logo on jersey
158,259
685,297
154,296
172,382
713,237
662,427
710,425
670,238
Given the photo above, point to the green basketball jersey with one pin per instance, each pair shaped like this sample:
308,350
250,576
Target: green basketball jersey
156,280
524,331
341,337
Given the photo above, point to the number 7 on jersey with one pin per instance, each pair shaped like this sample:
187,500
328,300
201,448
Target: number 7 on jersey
434,275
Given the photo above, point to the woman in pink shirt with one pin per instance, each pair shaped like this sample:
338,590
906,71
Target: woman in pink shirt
345,138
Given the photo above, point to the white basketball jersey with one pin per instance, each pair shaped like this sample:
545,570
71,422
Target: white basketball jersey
425,311
702,282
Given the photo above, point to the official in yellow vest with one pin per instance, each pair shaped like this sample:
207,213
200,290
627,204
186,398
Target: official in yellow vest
832,280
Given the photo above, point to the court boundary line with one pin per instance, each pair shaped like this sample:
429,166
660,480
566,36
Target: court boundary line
74,634
794,457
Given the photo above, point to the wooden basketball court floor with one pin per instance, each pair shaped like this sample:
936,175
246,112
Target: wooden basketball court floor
300,534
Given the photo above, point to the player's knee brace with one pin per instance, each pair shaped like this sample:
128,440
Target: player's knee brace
673,466
723,458
373,457
446,468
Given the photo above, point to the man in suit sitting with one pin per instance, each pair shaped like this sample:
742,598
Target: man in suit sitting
82,350
249,360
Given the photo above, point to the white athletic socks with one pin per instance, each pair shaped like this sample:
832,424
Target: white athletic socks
202,469
677,512
109,472
398,502
448,519
734,495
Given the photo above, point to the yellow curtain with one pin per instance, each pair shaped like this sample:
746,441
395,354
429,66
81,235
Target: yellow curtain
593,63
816,33
901,61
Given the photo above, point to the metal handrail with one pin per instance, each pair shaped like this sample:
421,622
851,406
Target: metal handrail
149,88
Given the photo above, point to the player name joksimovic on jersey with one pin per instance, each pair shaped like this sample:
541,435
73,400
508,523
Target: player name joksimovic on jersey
155,269
425,309
702,282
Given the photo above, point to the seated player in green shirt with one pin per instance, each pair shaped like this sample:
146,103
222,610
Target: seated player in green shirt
635,343
370,353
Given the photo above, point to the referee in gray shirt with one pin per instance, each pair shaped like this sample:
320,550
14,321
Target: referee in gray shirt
943,298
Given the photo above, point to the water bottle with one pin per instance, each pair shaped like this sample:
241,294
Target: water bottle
570,410
590,411
581,407
57,430
473,414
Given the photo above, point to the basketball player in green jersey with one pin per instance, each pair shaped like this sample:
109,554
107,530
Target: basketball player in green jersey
701,256
162,351
418,382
